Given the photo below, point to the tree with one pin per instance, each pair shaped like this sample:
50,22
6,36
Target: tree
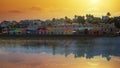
89,18
53,20
108,14
117,22
68,20
96,20
75,19
81,19
13,24
75,16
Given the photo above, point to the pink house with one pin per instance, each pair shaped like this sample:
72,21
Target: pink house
42,31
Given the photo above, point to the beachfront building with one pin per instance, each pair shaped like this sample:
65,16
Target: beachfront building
105,18
5,25
17,31
108,28
61,30
42,31
31,31
80,25
31,26
34,24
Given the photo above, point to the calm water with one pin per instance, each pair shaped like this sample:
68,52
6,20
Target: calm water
60,53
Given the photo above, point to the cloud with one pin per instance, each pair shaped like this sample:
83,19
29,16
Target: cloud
116,13
15,11
36,9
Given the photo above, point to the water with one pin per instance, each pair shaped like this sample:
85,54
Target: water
60,53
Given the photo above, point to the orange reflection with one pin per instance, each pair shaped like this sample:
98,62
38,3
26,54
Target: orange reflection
44,60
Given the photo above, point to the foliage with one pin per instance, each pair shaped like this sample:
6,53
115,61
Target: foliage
117,22
108,14
79,19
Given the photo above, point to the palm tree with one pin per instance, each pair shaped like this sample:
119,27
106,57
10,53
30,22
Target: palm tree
75,16
108,14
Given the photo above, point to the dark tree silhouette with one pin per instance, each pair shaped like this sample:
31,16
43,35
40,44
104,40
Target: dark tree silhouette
81,19
68,20
117,22
108,14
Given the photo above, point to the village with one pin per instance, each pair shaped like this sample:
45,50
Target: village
79,25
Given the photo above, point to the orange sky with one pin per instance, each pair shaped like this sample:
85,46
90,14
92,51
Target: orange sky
47,9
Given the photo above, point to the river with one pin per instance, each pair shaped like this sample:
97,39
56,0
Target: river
102,52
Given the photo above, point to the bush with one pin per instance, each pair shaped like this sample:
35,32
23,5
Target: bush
117,23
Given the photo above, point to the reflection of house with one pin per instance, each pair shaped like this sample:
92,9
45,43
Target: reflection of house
80,51
76,47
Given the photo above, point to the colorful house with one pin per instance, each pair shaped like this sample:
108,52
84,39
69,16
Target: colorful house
5,30
68,30
16,31
41,30
31,31
12,31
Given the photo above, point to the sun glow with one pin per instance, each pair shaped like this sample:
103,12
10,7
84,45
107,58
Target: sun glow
48,9
94,1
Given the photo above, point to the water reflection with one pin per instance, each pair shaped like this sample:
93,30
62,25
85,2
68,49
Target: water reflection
83,47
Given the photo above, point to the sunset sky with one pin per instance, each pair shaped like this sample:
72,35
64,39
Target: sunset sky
47,9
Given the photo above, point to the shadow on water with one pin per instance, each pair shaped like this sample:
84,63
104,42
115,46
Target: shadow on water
80,47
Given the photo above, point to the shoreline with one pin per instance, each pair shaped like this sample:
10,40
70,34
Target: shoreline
53,36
